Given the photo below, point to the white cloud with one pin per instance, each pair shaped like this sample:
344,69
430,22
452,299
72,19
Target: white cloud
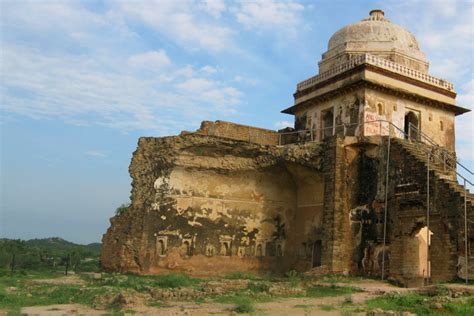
245,80
82,92
466,97
267,15
178,20
95,153
209,69
214,7
150,60
283,124
445,33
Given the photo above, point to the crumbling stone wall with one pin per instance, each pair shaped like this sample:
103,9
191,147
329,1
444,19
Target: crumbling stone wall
239,132
208,205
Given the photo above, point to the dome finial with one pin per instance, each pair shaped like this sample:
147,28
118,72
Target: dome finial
377,15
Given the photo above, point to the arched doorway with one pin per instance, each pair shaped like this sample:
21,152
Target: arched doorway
317,253
412,126
186,248
416,264
328,124
160,247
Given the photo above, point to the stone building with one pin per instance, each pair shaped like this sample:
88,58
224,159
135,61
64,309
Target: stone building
374,135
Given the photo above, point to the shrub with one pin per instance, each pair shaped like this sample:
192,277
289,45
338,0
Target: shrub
325,291
259,287
122,209
294,277
243,305
174,280
238,275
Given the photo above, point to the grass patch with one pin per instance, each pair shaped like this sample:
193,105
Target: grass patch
233,297
175,281
326,291
142,283
237,275
401,303
462,307
293,277
422,305
326,307
243,304
338,278
259,287
304,306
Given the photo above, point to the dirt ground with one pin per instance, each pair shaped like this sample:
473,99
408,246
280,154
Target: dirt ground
334,305
284,306
287,306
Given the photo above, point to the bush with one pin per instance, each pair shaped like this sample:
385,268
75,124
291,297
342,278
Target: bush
259,287
174,280
243,305
294,277
325,291
122,209
237,275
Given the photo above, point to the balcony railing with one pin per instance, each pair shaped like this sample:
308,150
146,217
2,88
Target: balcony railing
378,62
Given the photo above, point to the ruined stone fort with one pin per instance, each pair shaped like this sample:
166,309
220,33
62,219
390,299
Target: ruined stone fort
366,183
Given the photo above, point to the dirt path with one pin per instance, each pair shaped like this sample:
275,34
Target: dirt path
288,306
335,305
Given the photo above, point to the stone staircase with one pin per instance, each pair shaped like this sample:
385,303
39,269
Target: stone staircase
446,175
441,173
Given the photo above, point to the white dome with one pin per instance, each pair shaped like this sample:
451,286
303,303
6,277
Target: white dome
378,36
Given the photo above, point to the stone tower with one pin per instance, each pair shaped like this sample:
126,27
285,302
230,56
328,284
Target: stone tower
374,71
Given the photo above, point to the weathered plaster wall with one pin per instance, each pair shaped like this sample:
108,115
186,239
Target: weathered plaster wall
345,109
241,132
209,205
437,123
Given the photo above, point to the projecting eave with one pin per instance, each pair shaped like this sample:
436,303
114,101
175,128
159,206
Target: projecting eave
303,103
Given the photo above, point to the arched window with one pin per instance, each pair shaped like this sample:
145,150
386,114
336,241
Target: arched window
209,250
328,124
186,248
380,108
412,125
279,250
161,246
225,249
441,125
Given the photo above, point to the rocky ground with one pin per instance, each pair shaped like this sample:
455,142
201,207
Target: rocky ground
101,294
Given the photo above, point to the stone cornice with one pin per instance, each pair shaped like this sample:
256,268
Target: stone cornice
361,83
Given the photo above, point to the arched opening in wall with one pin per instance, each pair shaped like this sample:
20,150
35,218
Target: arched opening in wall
380,110
328,123
160,247
270,249
186,248
317,253
416,264
412,125
259,251
225,248
209,250
279,250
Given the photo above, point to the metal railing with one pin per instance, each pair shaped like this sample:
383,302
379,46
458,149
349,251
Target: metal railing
414,133
438,154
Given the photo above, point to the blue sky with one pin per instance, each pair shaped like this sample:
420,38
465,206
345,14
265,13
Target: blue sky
82,80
